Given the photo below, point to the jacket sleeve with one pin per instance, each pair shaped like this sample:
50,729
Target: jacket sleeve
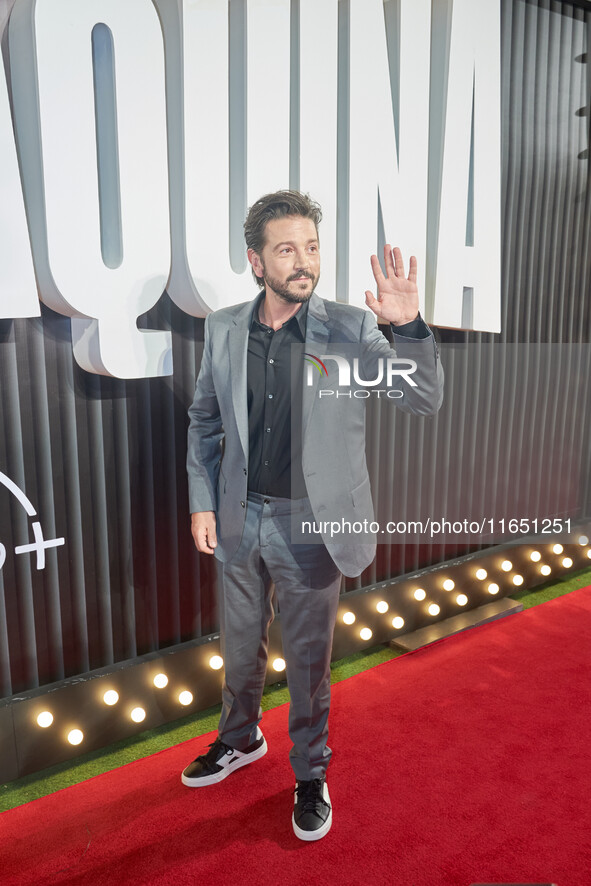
426,395
205,436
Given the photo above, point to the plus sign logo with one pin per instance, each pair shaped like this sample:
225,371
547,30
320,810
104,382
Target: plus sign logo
39,544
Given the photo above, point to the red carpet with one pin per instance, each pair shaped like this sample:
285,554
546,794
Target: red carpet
466,762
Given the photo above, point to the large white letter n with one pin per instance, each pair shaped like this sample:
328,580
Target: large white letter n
468,280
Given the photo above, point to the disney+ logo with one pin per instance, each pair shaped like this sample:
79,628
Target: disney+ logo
39,544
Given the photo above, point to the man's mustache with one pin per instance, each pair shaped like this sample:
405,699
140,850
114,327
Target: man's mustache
300,275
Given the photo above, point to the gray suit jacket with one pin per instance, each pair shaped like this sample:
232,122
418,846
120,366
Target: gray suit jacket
333,431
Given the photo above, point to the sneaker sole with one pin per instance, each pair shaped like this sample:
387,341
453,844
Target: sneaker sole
319,833
205,780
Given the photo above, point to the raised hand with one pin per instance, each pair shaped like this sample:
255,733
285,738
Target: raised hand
398,296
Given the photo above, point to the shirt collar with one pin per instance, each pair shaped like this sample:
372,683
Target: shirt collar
301,316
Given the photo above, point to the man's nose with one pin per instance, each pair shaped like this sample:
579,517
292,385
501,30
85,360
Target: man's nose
302,259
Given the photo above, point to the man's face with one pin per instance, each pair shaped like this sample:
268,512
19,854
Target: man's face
290,260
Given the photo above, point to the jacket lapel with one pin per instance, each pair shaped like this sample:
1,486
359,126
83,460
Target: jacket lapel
317,335
238,347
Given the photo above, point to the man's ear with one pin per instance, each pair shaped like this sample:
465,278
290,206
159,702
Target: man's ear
255,260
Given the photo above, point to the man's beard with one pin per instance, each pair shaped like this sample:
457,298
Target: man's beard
280,287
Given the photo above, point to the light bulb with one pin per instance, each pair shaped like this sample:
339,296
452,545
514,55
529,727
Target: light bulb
349,618
185,697
45,719
558,549
461,599
518,580
434,609
448,585
216,662
382,606
419,594
111,697
398,622
481,574
279,664
545,570
535,556
138,715
365,634
160,681
567,562
75,736
493,588
506,565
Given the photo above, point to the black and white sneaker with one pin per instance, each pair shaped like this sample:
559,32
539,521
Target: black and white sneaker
221,760
312,814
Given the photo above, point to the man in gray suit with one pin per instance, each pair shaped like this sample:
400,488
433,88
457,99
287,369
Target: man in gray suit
267,452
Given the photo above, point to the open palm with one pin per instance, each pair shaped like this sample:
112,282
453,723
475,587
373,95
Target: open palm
398,296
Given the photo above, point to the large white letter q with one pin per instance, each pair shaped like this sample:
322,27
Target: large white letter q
89,98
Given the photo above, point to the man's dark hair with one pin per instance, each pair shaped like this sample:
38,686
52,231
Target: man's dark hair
277,205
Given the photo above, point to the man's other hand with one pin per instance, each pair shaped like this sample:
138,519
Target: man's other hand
203,529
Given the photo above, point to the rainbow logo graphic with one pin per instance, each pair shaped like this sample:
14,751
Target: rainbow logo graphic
317,362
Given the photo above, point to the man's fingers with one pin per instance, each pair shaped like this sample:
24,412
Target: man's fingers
200,539
412,274
377,270
203,529
372,302
203,545
207,540
389,261
398,262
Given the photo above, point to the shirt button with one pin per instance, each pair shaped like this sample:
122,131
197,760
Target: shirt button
270,396
271,360
242,503
267,430
266,461
266,501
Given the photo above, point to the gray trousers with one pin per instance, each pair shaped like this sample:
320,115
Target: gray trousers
307,585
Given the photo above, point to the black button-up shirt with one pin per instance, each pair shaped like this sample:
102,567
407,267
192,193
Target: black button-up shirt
275,405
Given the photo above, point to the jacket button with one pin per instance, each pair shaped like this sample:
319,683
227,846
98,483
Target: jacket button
242,503
244,469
